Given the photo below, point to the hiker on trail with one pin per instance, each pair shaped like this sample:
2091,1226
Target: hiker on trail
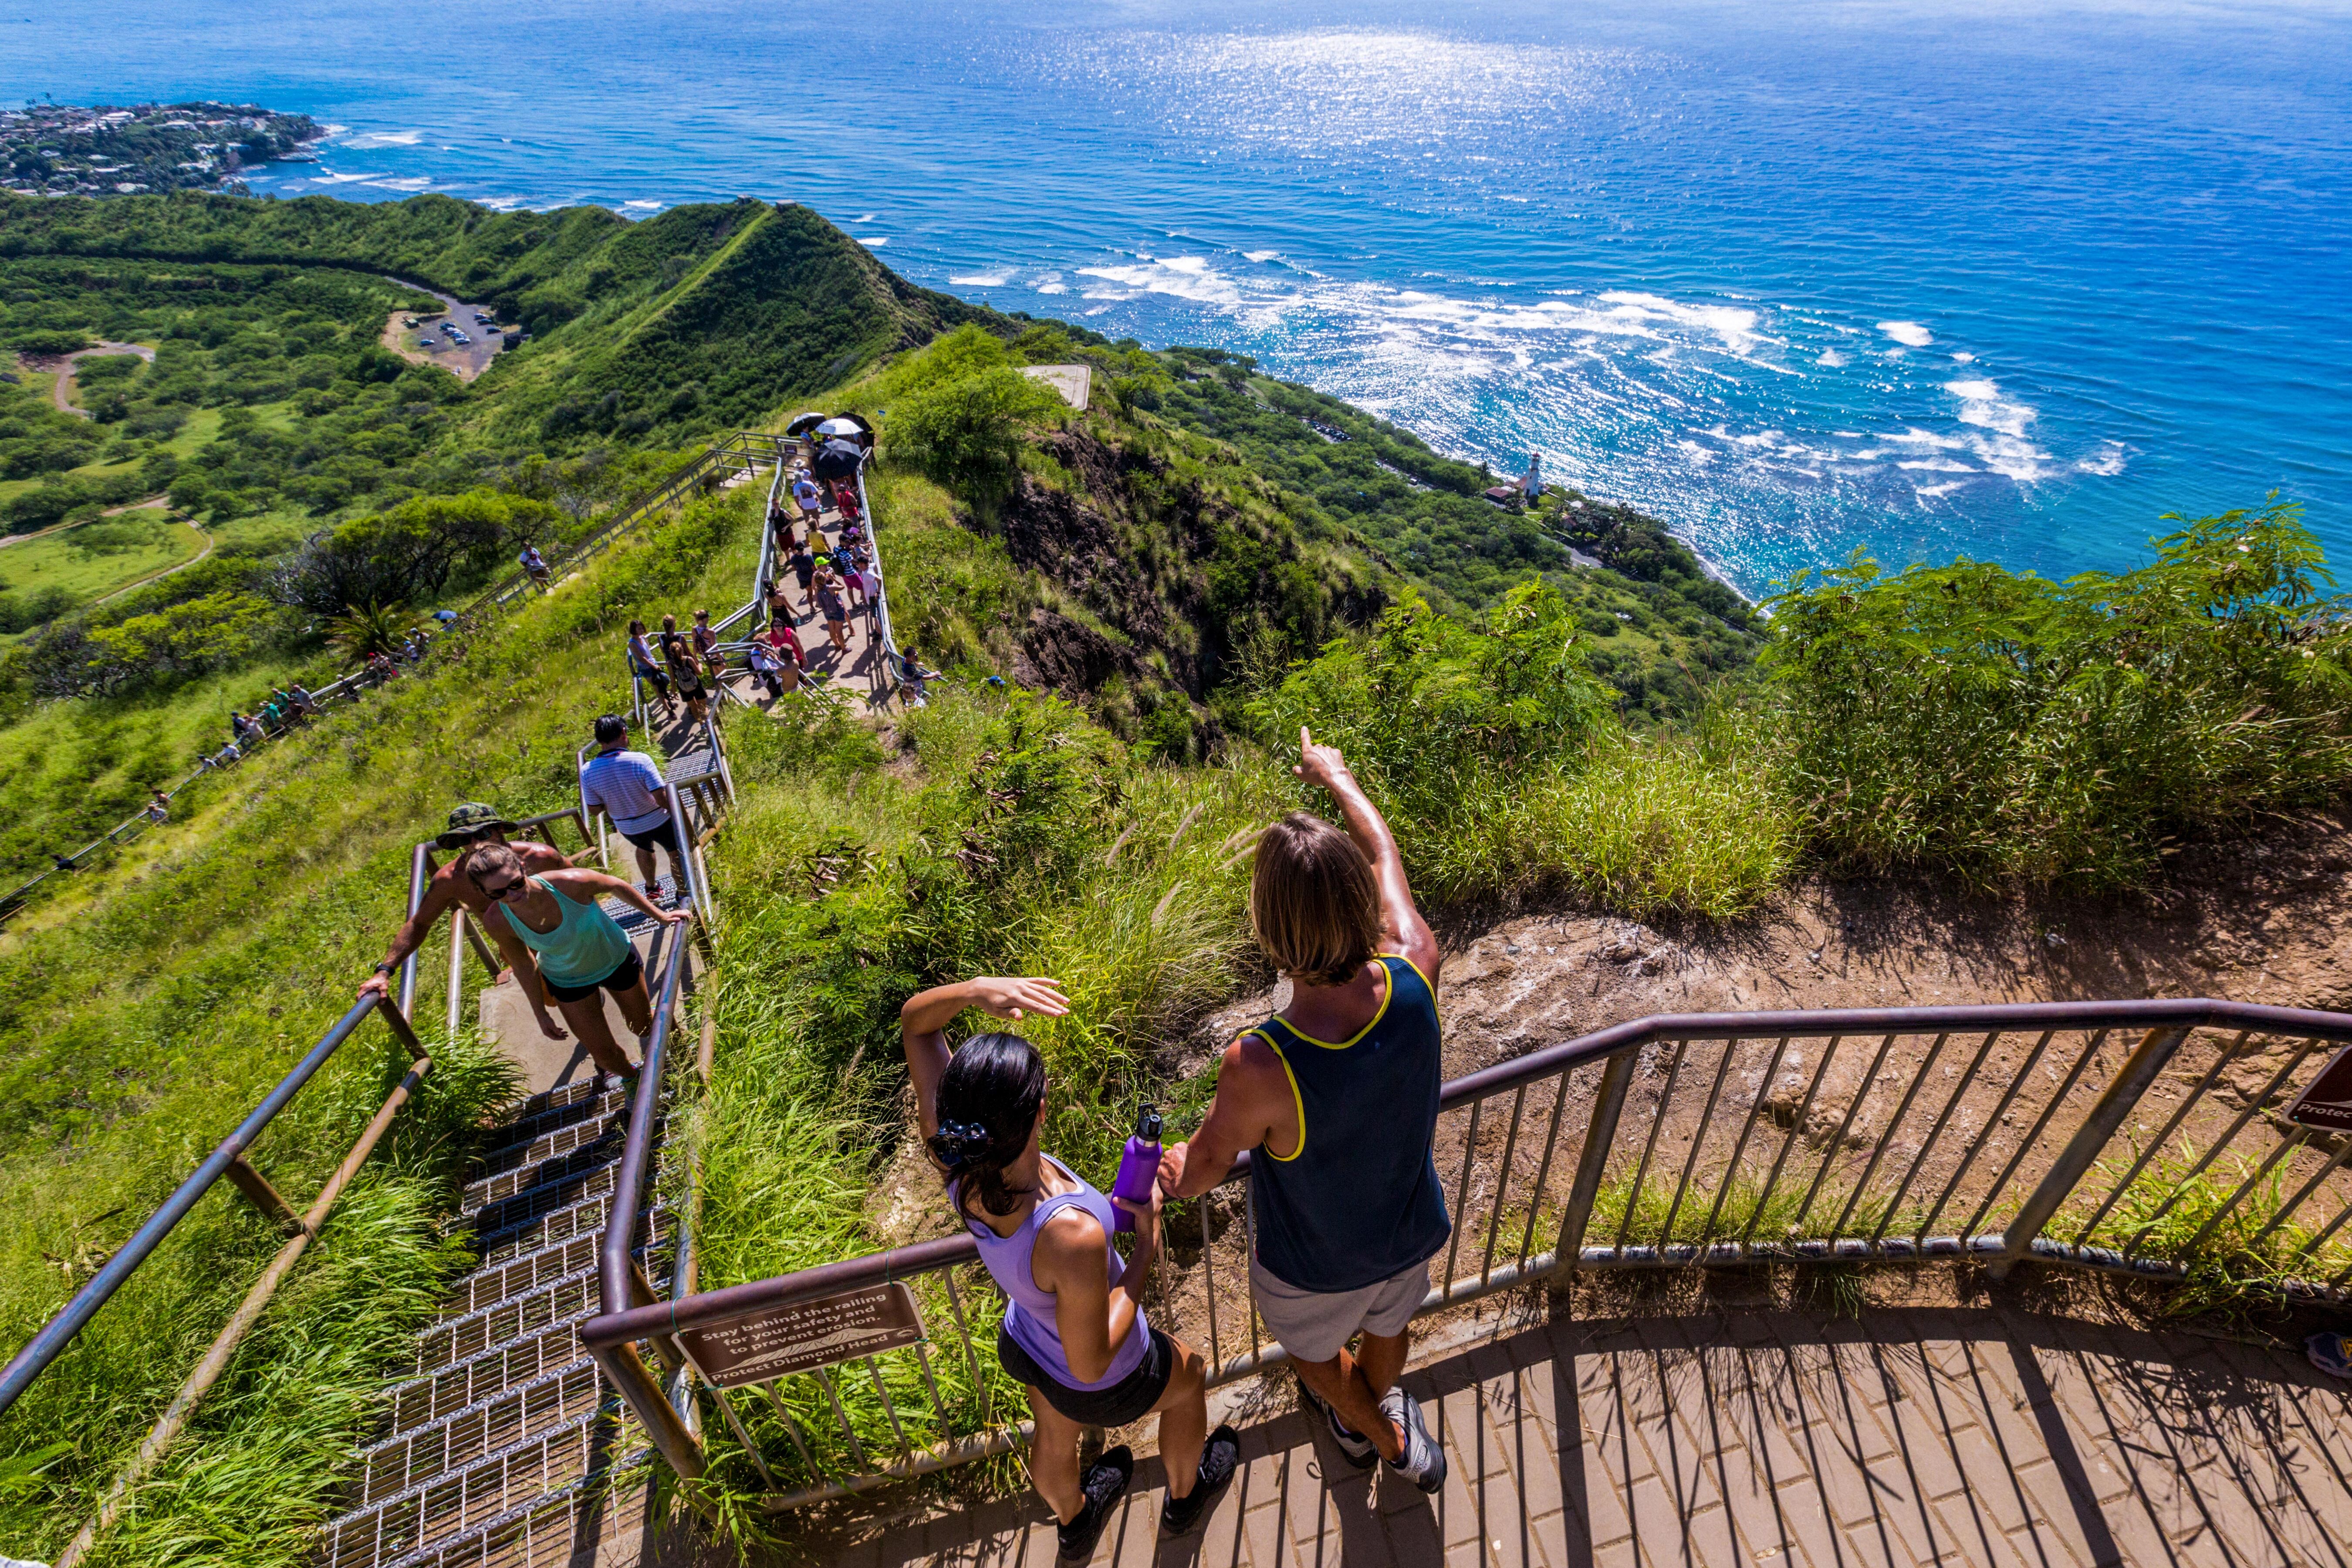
642,661
706,647
779,607
803,561
765,667
791,659
685,673
1074,1331
1338,1095
472,826
304,703
908,668
869,583
580,947
535,563
628,787
828,603
845,500
159,807
853,579
806,496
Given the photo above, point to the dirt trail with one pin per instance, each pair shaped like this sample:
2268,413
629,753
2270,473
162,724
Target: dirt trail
61,392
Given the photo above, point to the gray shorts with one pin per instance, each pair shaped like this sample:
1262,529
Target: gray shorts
1315,1325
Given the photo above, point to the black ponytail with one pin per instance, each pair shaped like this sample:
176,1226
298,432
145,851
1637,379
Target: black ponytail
988,1101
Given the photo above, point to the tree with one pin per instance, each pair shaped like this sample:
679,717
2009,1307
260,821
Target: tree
407,553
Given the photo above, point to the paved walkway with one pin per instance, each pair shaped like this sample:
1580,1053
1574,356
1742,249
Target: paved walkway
1947,1436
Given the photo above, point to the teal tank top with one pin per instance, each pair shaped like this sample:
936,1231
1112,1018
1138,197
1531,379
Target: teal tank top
586,946
1359,1200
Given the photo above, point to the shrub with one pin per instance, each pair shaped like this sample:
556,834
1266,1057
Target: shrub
2020,730
969,433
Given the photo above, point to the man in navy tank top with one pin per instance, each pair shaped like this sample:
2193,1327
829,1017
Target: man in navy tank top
1336,1096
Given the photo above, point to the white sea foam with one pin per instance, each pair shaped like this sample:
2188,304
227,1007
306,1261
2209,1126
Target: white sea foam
1936,465
1910,334
367,139
1830,359
643,206
1929,492
1964,359
1261,255
873,241
331,179
404,183
996,280
2109,461
865,217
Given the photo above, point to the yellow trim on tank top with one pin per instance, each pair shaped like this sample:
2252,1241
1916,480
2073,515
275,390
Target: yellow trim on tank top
1296,1101
1388,994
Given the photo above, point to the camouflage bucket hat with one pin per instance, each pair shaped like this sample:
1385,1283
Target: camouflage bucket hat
469,821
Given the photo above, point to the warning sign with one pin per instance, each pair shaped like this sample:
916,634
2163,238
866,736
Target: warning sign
806,1334
2327,1103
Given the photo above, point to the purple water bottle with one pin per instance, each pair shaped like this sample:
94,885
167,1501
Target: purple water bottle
1138,1168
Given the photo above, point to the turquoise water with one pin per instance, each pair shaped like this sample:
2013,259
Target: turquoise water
1994,280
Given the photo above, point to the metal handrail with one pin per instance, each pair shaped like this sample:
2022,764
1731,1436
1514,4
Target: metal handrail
615,1265
1498,1221
45,1346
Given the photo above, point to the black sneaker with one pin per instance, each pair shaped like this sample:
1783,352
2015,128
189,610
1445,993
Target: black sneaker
1423,1460
1354,1446
1104,1484
1221,1461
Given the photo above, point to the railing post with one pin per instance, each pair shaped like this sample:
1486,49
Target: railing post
1593,1160
626,1372
2154,1053
457,930
398,1023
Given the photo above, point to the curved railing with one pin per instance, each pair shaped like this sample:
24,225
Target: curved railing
1753,1140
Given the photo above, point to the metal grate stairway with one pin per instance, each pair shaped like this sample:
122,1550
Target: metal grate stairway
489,1452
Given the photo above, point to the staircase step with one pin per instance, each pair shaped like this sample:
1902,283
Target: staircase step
529,1221
410,1525
549,1532
463,1338
524,1128
493,1190
547,1145
426,1399
401,1463
518,1276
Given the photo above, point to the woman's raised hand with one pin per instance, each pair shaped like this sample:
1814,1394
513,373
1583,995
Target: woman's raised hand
1010,996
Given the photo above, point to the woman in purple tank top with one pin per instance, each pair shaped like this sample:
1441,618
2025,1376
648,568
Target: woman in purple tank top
1073,1328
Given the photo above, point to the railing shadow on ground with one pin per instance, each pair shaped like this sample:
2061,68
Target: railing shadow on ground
1974,1435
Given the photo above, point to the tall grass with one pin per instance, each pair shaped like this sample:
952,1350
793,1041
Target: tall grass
142,1014
2230,1244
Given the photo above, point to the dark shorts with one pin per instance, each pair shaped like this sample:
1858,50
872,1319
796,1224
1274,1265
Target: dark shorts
806,572
1130,1399
665,836
625,978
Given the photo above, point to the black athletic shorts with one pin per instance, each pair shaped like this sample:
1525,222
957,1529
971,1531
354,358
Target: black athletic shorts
665,835
1130,1399
625,978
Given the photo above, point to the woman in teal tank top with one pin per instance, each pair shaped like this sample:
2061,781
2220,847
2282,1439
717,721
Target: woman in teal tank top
580,950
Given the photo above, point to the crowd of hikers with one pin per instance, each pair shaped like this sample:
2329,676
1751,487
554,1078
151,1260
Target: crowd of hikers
828,581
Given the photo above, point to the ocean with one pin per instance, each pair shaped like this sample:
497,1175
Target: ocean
2002,281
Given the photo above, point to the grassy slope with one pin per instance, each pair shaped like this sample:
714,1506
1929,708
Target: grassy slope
141,1018
63,559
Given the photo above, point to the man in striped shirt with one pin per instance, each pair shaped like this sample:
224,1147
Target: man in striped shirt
627,787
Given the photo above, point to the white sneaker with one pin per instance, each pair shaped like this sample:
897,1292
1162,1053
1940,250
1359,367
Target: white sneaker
1424,1461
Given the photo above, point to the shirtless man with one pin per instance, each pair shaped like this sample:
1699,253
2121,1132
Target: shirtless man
471,824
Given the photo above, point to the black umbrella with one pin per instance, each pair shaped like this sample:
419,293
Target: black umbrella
803,424
839,459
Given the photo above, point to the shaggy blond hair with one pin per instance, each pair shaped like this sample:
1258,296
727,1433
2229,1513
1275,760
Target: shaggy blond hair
1315,905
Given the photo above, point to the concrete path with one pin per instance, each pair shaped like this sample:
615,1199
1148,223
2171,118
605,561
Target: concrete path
1945,1436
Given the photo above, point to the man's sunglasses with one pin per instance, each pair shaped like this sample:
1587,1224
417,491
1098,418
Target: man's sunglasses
504,888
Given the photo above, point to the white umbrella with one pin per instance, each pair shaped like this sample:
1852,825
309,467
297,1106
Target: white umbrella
849,428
